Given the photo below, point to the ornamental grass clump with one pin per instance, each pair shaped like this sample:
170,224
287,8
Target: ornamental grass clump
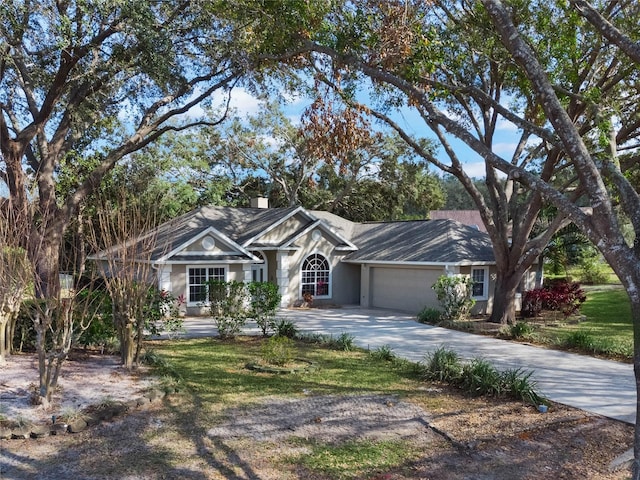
286,328
443,365
278,351
520,331
479,377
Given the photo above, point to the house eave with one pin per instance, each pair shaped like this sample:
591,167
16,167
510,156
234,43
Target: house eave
419,263
203,262
209,230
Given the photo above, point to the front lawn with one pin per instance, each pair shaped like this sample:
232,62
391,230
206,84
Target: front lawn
602,327
357,415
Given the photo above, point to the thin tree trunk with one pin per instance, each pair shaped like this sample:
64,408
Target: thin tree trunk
11,332
124,324
41,321
4,350
635,315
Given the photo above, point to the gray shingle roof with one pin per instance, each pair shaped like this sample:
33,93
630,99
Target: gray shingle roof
239,224
423,241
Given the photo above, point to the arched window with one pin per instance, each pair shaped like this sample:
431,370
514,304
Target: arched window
316,276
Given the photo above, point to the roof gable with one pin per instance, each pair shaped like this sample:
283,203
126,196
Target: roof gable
234,225
208,243
341,242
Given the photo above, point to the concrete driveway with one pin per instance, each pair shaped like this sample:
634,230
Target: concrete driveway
599,386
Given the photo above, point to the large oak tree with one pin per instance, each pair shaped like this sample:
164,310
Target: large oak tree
443,61
104,79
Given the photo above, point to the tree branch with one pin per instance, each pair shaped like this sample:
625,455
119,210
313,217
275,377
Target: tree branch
607,29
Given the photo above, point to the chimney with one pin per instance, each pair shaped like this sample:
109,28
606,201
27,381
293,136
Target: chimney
259,202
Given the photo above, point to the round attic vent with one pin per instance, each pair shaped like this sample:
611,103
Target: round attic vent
208,243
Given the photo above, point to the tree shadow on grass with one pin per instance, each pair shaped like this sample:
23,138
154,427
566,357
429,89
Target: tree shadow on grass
218,455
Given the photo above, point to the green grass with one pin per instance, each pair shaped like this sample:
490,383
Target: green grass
215,369
356,459
606,329
213,378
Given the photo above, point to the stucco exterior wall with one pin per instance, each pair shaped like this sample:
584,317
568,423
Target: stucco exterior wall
315,243
179,275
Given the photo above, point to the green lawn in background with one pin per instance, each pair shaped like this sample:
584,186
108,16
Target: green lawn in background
606,319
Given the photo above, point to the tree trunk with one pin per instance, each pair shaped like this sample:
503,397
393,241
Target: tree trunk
11,332
127,346
4,326
45,256
635,316
125,327
41,323
504,298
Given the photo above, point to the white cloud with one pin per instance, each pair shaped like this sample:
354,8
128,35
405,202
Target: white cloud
505,125
504,147
242,101
475,169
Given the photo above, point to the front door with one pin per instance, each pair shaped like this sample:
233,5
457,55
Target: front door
259,270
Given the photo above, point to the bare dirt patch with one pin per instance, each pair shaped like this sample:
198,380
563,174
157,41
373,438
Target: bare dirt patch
457,437
86,380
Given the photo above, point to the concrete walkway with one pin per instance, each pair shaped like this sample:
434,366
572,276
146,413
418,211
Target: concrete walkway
599,386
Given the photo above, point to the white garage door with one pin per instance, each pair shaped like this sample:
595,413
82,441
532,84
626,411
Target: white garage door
404,289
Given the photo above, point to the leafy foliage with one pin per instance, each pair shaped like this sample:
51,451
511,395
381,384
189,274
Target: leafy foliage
278,350
454,294
286,328
592,269
264,302
430,315
102,332
227,306
162,312
560,295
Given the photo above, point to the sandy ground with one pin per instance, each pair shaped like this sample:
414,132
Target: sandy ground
461,438
85,380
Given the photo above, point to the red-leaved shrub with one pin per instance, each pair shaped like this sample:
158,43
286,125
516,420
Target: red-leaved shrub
560,295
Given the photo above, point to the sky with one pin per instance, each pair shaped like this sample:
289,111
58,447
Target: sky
246,104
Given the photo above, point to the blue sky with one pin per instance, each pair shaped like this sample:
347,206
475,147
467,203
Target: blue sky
507,136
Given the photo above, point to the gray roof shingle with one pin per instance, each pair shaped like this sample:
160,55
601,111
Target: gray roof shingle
421,241
239,224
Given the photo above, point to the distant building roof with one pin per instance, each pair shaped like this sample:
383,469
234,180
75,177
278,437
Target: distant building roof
471,218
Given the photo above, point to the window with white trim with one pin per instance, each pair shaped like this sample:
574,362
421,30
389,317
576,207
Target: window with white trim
316,276
197,282
479,283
